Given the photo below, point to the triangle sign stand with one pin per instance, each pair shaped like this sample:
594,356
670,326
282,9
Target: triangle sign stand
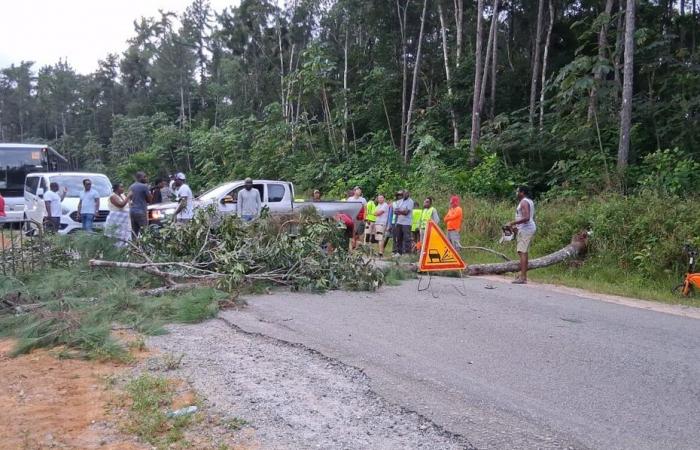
437,253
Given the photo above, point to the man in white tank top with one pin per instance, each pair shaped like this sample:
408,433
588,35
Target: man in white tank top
525,224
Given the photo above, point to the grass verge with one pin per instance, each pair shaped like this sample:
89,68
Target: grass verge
149,399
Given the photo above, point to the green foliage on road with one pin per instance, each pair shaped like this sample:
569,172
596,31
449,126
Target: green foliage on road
68,303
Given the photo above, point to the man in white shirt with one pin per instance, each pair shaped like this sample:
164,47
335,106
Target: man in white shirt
89,205
185,208
382,220
53,200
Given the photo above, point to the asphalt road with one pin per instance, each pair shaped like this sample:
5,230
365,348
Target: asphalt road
507,367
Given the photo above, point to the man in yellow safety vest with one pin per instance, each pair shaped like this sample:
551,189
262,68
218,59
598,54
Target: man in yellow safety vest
371,218
427,213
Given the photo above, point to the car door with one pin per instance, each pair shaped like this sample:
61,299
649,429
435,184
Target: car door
229,202
33,209
277,198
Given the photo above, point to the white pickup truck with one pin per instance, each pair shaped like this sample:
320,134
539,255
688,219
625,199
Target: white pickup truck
277,196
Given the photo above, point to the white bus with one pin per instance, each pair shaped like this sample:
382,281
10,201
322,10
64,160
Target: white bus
16,161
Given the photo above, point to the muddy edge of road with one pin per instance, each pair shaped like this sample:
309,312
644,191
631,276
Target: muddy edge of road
341,396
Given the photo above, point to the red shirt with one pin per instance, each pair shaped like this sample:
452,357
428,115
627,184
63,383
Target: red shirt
2,206
347,220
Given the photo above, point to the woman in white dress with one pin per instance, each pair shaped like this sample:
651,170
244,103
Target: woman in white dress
118,224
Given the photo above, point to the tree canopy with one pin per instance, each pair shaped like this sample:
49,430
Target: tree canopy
459,96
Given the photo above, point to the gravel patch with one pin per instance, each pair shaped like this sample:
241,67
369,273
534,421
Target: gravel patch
292,396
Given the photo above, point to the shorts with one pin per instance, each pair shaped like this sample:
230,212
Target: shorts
523,239
379,230
360,229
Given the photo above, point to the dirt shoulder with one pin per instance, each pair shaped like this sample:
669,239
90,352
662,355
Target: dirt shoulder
51,402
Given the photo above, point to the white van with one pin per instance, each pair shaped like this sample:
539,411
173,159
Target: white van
37,183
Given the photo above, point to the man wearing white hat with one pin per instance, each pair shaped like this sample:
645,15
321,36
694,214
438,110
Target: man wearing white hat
185,208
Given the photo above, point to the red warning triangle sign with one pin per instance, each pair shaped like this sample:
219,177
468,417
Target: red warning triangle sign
437,253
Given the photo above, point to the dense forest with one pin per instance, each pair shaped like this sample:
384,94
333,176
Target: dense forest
574,97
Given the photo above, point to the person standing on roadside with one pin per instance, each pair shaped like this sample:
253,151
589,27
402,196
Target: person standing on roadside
2,209
394,218
524,223
381,222
185,208
249,205
88,205
140,196
157,191
53,207
360,229
427,214
316,196
166,192
118,223
453,220
404,212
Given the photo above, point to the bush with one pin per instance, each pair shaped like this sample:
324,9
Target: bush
670,172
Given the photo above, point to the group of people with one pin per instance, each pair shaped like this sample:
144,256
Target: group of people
127,209
406,223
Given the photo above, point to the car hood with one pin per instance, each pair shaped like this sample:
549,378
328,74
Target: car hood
173,205
168,205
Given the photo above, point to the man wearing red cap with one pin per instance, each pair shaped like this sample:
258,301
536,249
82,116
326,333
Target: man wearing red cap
453,220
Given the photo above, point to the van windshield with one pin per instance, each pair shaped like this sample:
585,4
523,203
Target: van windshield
74,183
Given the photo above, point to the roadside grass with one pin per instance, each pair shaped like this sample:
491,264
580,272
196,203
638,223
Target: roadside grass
72,305
148,400
594,274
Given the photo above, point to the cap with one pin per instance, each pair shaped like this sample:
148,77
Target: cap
248,180
180,176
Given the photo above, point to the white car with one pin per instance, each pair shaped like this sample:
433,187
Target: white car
37,183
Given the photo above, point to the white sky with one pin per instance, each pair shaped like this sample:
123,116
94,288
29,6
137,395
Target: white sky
82,31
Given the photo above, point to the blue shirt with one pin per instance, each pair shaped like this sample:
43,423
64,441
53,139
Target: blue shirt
87,201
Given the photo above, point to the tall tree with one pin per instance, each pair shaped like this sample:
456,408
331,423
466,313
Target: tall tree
488,58
414,85
545,59
402,12
494,68
602,47
627,88
448,77
478,74
536,63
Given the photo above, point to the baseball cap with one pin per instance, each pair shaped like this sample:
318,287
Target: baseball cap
180,176
248,180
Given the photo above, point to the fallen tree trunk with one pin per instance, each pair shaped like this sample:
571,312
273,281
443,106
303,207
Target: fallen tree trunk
577,247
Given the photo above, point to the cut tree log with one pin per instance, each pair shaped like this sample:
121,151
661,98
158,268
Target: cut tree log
577,247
